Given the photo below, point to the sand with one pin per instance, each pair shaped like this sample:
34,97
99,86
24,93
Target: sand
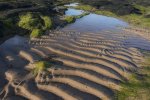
87,66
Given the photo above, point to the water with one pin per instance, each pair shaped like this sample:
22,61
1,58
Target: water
72,4
73,12
93,22
98,24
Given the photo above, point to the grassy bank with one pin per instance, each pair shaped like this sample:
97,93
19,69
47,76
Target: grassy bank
71,19
138,85
142,20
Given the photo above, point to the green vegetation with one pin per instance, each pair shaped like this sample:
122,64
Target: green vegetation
138,86
11,11
40,66
82,15
29,21
8,23
106,13
137,20
8,27
47,22
69,19
85,7
35,23
36,33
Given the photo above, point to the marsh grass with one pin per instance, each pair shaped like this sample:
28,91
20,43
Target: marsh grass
85,7
82,15
35,22
47,22
106,13
29,21
36,33
69,19
41,66
138,85
138,20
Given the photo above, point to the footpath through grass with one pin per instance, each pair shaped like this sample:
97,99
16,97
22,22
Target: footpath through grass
138,85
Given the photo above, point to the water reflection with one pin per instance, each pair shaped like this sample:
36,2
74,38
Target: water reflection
72,4
73,12
98,23
94,22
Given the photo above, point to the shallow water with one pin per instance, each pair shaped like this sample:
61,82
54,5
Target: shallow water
72,4
72,12
98,24
16,41
93,22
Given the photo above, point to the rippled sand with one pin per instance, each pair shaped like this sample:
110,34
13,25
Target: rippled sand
88,66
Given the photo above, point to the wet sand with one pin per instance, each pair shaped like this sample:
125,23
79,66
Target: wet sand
89,66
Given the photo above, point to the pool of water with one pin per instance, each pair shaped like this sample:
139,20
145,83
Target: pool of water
73,12
93,22
98,24
72,4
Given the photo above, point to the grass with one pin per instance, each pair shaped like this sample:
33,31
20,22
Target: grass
36,33
29,21
47,22
138,86
35,22
137,20
82,15
41,66
8,23
106,13
69,19
85,7
144,10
